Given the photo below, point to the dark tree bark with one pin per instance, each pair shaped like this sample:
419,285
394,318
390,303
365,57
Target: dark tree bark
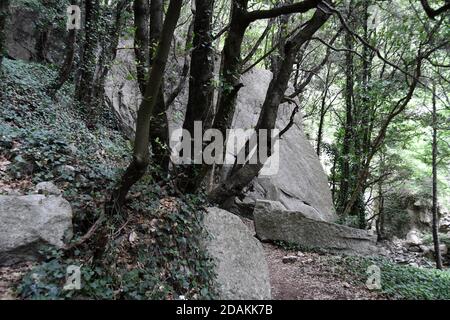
433,13
140,161
380,214
323,111
141,40
230,67
280,38
85,83
345,180
201,90
437,251
362,137
4,13
159,127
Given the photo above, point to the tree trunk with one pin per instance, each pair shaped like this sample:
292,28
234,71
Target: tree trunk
437,251
4,13
267,119
344,186
84,86
380,218
323,112
201,90
231,67
140,161
141,40
159,127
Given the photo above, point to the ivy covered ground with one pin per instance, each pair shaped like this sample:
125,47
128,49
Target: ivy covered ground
154,253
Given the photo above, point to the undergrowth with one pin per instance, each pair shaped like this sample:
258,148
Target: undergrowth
402,282
155,248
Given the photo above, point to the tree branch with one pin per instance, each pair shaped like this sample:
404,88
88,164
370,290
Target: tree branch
299,7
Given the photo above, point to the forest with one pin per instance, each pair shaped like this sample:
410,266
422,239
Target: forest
225,149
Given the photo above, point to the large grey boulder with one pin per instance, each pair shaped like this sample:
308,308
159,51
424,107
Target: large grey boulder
27,222
241,268
272,222
300,183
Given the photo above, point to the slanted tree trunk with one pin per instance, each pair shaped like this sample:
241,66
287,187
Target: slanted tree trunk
201,90
323,112
267,119
361,111
140,161
4,13
437,252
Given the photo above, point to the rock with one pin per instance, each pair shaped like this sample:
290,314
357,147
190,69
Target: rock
289,259
414,249
27,222
429,250
47,187
66,171
425,249
414,238
295,227
241,268
22,35
442,248
300,183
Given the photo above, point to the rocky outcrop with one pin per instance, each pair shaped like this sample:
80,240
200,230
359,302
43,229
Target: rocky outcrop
272,222
299,183
23,36
241,268
122,91
27,222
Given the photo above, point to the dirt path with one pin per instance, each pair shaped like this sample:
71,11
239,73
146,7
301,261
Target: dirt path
310,277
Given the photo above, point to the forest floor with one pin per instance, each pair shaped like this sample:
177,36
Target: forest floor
311,276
